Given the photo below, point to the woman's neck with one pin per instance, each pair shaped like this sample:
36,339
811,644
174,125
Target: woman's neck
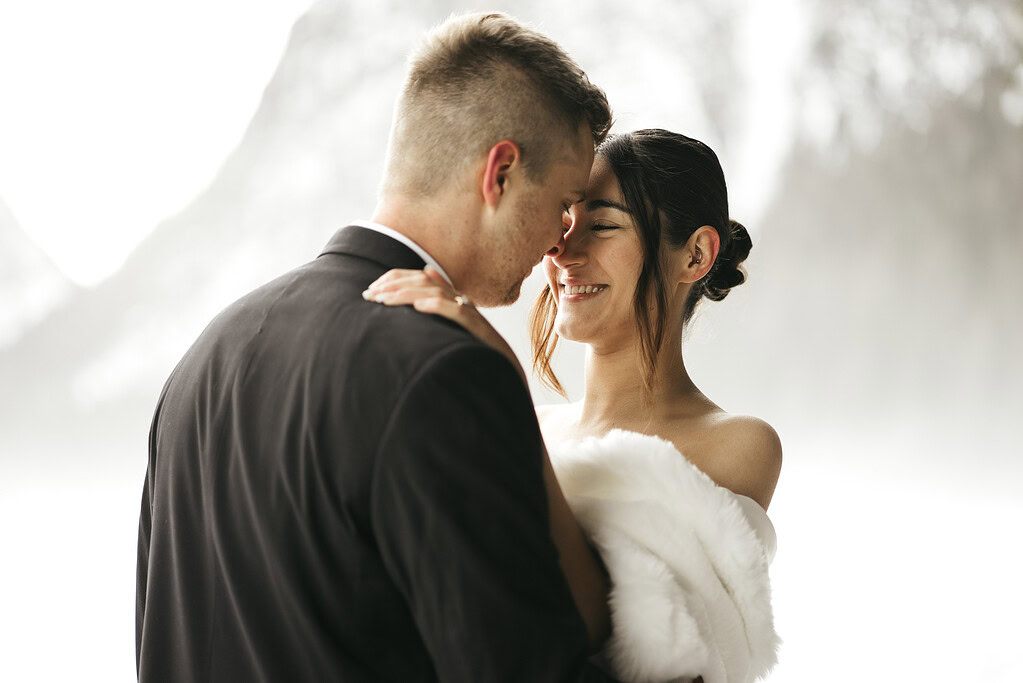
615,394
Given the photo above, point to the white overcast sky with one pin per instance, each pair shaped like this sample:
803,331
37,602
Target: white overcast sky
115,113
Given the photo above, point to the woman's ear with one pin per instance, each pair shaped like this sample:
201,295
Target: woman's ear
700,253
501,158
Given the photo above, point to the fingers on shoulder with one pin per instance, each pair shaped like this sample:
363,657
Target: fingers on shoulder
432,273
438,305
394,274
398,279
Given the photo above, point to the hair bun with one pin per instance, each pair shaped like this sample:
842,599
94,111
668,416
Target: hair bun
728,271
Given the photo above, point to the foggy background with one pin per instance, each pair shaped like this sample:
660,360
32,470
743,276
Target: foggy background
158,161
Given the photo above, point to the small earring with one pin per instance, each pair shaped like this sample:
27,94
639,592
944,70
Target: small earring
699,256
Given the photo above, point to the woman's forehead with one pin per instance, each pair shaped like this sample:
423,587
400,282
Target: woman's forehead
603,183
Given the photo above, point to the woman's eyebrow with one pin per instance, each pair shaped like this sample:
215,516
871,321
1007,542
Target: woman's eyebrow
594,204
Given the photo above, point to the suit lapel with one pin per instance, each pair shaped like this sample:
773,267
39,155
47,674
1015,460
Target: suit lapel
374,246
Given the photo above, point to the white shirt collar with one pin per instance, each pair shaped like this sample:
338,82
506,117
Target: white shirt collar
395,235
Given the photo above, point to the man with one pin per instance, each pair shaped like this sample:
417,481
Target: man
339,490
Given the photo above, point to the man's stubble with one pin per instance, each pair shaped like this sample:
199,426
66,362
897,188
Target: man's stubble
516,254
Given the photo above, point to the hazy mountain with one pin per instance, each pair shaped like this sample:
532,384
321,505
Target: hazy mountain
30,285
303,167
883,279
308,163
884,293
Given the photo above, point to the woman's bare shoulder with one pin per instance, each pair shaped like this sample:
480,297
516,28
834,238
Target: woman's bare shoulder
746,453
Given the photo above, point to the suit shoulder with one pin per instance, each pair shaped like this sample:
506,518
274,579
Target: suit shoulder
404,330
467,359
464,394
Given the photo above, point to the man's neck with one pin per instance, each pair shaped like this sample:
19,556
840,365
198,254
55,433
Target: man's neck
441,229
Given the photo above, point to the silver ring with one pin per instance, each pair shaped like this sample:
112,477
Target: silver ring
462,300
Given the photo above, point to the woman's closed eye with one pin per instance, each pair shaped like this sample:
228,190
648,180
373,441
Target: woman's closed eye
597,227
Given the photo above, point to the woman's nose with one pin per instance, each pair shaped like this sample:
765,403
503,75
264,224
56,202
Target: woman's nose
568,251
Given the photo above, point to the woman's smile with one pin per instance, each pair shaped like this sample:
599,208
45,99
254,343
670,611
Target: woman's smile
571,293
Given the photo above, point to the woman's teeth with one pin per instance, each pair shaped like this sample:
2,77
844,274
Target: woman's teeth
584,289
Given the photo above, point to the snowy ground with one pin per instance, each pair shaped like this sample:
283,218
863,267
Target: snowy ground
887,574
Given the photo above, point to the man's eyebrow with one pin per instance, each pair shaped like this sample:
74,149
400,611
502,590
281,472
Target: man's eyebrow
595,204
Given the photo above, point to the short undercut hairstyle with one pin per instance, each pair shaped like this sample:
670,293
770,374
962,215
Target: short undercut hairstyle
478,79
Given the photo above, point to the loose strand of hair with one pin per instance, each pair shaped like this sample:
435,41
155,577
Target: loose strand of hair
544,340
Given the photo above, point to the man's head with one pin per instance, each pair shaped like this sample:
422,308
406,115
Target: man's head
495,123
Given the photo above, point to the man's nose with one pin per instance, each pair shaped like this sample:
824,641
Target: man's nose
568,252
558,248
566,227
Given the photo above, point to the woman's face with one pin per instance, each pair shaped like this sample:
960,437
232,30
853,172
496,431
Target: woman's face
594,276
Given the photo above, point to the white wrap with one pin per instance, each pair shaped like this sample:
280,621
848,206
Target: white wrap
688,560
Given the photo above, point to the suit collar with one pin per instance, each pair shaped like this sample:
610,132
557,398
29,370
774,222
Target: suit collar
374,246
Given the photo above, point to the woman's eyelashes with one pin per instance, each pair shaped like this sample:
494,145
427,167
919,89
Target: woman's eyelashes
596,227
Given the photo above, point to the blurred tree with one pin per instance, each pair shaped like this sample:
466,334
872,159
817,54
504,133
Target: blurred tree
885,285
894,280
868,59
884,275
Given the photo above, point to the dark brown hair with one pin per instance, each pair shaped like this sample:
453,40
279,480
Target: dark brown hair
478,79
673,185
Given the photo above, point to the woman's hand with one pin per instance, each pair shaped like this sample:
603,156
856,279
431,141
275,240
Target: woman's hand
427,291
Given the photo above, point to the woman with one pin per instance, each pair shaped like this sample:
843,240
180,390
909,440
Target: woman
685,539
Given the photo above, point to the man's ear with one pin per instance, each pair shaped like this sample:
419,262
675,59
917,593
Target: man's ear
700,253
502,158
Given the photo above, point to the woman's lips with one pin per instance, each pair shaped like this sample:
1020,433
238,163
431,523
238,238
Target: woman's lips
581,292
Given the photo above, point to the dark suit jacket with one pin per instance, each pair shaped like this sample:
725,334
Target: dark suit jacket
342,491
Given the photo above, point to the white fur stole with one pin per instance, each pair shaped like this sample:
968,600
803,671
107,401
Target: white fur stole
690,591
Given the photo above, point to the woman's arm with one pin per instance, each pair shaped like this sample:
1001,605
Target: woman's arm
428,292
587,577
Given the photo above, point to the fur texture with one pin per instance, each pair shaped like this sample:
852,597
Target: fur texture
691,594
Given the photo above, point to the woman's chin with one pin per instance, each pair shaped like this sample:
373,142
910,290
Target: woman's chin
580,334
